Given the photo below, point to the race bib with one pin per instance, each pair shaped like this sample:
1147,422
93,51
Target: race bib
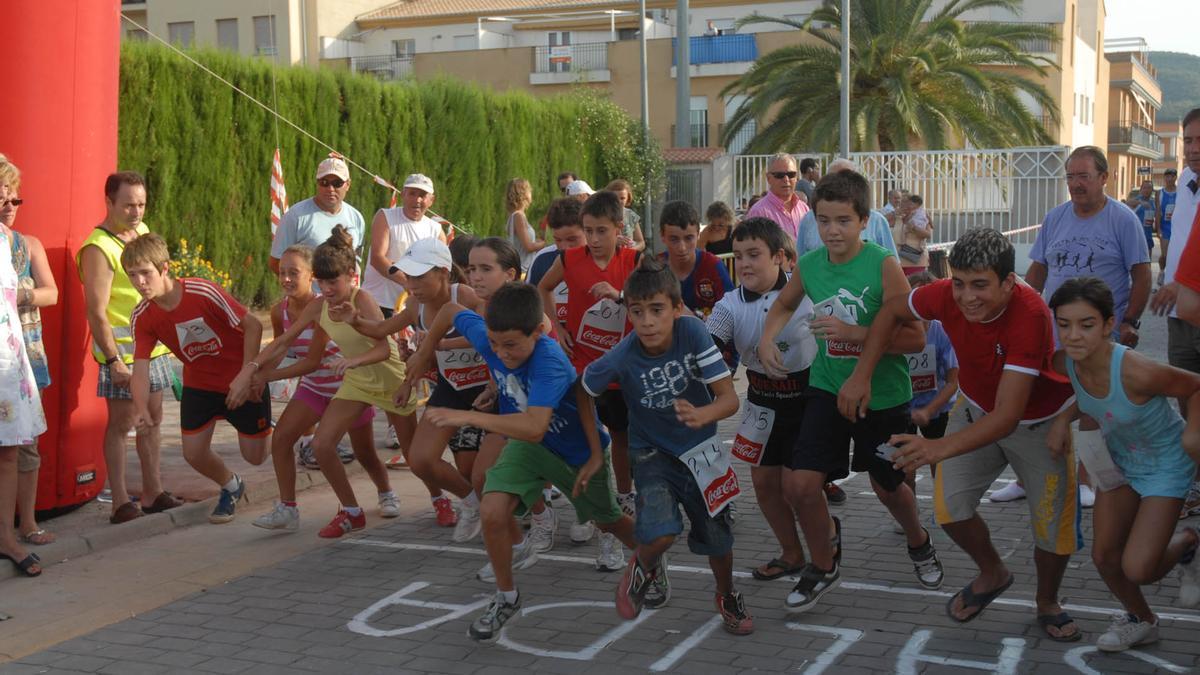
463,368
603,325
711,467
560,301
752,433
922,369
833,307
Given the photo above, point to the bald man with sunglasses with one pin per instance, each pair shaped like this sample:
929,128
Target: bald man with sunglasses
311,221
781,203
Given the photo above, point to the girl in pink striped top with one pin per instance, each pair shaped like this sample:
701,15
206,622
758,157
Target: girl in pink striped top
312,352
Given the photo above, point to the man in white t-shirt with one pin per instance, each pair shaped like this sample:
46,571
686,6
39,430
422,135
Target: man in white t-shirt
311,221
392,232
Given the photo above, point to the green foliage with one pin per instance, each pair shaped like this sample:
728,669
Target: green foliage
1179,77
918,77
206,150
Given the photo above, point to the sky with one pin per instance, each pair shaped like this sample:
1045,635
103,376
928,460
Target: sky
1167,25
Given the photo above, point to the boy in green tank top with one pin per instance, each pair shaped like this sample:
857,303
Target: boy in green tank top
848,281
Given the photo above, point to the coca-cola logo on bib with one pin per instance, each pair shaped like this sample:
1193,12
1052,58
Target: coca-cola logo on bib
923,383
843,348
746,450
600,338
721,490
468,376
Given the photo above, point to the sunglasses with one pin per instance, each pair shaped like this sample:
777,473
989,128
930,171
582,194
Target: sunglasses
780,175
331,182
14,202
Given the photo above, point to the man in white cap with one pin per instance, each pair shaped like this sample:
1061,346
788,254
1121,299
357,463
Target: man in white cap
579,189
392,232
311,221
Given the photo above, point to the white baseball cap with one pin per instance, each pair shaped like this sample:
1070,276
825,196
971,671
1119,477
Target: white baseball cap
333,166
419,181
423,255
579,187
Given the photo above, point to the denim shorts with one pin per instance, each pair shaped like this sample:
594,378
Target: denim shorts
663,485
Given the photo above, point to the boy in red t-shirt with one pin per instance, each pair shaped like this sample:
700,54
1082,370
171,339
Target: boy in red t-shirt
213,335
1002,332
596,321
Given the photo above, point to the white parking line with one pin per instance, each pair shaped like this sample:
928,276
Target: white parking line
1179,616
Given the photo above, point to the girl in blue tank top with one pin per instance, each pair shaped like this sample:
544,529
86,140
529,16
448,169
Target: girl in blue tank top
1153,451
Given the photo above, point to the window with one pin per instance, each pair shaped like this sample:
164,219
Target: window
264,35
698,121
227,34
404,49
560,56
464,43
182,33
627,33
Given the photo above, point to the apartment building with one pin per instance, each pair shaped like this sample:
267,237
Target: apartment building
1171,135
1134,98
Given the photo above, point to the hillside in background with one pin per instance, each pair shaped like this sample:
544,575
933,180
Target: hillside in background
1179,77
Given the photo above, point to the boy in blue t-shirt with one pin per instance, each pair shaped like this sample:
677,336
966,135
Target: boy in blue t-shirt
666,367
551,436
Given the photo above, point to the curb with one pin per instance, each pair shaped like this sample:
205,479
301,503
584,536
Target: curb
194,513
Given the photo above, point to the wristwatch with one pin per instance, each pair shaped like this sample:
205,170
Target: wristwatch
1135,323
111,360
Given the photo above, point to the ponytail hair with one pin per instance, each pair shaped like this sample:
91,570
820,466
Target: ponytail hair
335,256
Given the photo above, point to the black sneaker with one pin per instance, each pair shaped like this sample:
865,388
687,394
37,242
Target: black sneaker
659,592
834,494
926,564
814,582
837,541
631,592
734,617
487,627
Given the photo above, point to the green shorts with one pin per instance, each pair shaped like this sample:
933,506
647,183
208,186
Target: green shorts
523,469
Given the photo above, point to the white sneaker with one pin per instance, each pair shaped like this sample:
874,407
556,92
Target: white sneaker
468,524
610,558
628,504
392,443
345,452
1087,496
1126,631
541,534
1189,579
524,556
557,498
280,518
389,506
1009,493
582,533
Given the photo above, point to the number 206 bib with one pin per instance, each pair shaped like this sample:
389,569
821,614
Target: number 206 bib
711,467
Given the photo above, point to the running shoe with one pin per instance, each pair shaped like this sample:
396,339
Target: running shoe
628,504
1191,503
345,452
660,586
1009,493
1087,496
392,443
541,533
227,503
523,557
280,518
582,533
631,592
306,457
814,582
468,524
834,493
389,505
446,517
343,523
734,617
1126,631
609,559
1189,576
487,627
926,564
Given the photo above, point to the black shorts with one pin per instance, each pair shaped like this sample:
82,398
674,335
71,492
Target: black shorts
935,429
198,409
786,398
444,395
610,407
824,441
466,439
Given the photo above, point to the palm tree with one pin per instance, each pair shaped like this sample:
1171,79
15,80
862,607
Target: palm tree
918,77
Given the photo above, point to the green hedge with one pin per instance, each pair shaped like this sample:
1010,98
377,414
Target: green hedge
206,150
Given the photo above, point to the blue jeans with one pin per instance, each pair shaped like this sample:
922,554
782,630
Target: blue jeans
663,485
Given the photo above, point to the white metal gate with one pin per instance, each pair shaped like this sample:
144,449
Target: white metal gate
1003,189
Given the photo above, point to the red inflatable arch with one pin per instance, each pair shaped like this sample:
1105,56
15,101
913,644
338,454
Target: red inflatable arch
58,123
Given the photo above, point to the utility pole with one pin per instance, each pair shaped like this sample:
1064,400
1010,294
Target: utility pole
683,84
844,145
646,211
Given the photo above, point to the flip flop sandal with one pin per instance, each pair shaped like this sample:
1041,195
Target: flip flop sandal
972,599
1058,621
38,538
778,563
397,463
25,564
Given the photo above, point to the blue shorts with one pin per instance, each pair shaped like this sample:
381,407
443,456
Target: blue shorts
1149,232
1164,231
663,485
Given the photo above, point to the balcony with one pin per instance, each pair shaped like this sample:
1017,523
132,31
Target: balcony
1134,139
386,67
566,64
716,55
